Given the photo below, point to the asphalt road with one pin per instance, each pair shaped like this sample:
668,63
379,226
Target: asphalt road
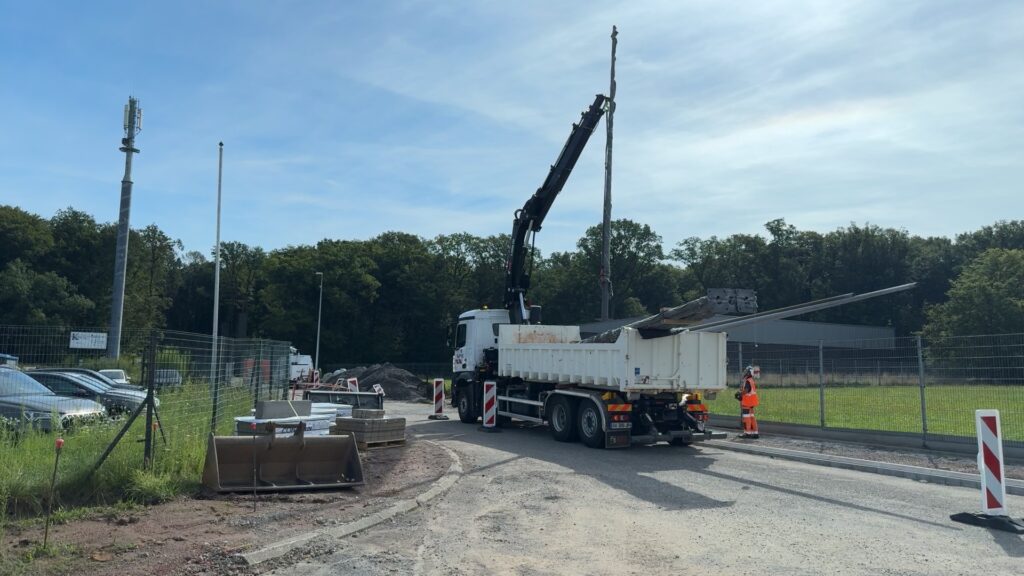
530,505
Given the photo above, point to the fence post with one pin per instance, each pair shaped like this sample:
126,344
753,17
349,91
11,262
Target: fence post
821,383
215,382
741,366
920,383
147,453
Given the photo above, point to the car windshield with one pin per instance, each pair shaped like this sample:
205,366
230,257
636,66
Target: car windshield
113,374
14,383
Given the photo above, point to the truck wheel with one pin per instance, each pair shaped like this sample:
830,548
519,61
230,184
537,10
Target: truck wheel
562,420
590,429
466,413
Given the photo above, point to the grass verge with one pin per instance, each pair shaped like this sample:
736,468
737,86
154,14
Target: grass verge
949,409
26,461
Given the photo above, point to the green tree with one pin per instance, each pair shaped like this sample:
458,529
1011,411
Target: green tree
987,298
152,278
30,298
23,236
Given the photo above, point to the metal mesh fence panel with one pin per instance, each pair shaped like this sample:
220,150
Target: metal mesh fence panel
966,373
908,385
59,381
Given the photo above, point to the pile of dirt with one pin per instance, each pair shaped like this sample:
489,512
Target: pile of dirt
398,384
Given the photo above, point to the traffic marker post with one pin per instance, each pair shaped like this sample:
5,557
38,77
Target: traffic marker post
58,444
993,479
490,407
438,400
353,384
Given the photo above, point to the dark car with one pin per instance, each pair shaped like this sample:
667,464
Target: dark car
25,403
77,385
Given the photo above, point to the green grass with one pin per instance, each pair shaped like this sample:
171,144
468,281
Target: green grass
950,409
26,462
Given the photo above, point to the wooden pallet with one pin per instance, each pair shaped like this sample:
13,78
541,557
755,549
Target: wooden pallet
384,444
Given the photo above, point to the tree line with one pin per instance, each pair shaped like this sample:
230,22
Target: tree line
394,297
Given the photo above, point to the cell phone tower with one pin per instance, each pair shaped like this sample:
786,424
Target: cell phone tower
132,126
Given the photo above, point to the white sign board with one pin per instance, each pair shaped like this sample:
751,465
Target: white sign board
378,389
89,340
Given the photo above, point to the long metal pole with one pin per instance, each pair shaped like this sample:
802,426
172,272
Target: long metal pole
921,385
319,310
214,381
121,252
821,383
606,230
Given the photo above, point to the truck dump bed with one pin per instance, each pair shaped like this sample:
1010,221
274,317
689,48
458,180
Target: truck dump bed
680,362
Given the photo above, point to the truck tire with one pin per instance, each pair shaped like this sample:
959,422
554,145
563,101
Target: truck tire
590,429
562,419
465,403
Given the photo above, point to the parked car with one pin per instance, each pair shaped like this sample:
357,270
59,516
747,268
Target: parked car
117,375
106,380
25,403
166,377
76,385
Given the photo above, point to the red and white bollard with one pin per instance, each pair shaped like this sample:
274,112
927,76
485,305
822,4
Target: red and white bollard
993,484
490,407
438,400
353,384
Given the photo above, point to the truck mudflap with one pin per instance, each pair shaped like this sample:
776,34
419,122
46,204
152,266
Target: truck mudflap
617,439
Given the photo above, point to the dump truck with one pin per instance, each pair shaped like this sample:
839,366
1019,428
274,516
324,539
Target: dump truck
640,383
607,394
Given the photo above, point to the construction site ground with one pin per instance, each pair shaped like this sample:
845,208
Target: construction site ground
201,535
526,504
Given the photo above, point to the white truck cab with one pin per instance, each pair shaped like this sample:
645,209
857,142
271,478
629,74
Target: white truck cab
476,331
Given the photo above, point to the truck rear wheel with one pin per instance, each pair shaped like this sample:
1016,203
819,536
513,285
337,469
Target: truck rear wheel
465,402
590,429
562,420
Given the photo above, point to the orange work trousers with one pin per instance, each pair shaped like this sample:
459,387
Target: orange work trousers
749,422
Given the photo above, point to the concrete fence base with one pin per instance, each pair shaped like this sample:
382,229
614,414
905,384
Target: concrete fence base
876,437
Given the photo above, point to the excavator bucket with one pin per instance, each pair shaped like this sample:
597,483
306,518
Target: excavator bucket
281,463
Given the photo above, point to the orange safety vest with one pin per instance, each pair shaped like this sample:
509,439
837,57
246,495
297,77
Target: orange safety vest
748,399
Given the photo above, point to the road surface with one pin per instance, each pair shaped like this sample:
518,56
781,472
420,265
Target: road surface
529,505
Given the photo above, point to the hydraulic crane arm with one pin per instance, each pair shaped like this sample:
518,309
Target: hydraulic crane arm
530,217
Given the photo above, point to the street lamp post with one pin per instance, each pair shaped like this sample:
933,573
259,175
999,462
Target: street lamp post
319,310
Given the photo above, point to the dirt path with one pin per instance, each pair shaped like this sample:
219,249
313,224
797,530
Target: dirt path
200,536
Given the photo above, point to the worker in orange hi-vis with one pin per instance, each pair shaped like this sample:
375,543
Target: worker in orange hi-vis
748,401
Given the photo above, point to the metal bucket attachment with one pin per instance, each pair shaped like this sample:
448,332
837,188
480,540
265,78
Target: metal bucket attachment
271,464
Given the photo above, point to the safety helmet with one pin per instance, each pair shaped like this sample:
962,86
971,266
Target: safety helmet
749,370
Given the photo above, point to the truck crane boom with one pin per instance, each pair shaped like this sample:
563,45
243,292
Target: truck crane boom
530,217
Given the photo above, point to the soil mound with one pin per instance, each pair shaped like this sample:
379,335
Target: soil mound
398,384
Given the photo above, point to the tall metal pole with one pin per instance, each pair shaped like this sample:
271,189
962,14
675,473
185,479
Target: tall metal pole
319,310
214,382
606,230
132,125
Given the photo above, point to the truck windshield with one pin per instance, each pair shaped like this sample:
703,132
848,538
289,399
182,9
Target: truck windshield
460,336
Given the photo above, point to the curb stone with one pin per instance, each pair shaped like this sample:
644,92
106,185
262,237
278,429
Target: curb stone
948,478
282,547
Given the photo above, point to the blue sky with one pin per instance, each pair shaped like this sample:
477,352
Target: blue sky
348,119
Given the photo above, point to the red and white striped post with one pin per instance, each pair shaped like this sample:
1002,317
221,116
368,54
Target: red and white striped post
490,406
438,400
993,478
353,384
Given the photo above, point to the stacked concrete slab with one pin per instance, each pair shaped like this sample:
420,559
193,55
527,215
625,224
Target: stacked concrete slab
372,428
